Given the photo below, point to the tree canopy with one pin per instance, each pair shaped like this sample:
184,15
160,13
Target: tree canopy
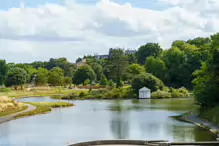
83,73
3,71
56,77
150,49
16,76
147,80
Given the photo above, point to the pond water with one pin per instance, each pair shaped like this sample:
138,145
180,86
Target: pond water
103,119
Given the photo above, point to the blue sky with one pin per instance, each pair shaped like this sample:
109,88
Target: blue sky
150,4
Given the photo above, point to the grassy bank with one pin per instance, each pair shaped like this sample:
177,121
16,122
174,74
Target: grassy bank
43,107
38,92
9,106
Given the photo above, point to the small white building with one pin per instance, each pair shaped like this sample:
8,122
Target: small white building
144,93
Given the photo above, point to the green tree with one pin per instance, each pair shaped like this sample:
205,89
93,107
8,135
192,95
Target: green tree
175,59
41,76
147,80
206,83
157,67
67,81
107,66
133,70
16,77
97,68
178,43
199,41
83,73
31,71
119,63
56,77
103,80
132,58
150,49
3,71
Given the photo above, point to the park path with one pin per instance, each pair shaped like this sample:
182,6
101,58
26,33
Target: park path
11,116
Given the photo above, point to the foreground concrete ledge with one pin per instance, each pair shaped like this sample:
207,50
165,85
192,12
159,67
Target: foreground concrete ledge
120,142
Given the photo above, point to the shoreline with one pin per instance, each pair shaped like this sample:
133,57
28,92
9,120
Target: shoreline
12,116
194,119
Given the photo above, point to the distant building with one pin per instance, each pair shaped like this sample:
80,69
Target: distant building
130,52
99,57
144,93
127,52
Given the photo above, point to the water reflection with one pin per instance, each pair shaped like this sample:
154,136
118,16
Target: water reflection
119,121
95,119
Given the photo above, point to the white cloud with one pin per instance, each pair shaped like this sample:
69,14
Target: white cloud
74,29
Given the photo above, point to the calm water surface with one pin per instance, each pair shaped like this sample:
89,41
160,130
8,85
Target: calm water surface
94,120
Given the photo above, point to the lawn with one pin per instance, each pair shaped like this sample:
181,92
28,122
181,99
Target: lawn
43,108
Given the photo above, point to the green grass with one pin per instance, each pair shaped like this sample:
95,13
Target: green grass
43,108
25,93
12,111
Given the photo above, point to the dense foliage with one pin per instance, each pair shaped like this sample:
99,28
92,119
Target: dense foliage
207,78
147,80
193,64
16,76
83,73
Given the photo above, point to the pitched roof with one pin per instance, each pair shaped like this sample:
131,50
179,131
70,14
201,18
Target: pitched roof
144,89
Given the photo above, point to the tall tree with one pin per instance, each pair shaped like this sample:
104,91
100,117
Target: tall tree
42,77
178,43
150,49
206,83
16,77
119,63
133,70
157,67
3,71
199,41
56,77
83,73
29,69
175,59
97,68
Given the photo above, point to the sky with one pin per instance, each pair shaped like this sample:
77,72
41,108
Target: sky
37,30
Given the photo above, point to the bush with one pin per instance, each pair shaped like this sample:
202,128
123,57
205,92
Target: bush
5,90
119,93
111,83
160,94
179,93
148,81
82,94
167,89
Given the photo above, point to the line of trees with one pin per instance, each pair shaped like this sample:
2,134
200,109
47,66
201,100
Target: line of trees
192,64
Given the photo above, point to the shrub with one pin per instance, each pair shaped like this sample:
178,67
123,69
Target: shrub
160,94
179,93
5,90
111,83
165,88
103,80
82,94
148,81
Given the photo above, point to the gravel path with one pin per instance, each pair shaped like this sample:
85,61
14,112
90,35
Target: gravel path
196,119
10,117
193,118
